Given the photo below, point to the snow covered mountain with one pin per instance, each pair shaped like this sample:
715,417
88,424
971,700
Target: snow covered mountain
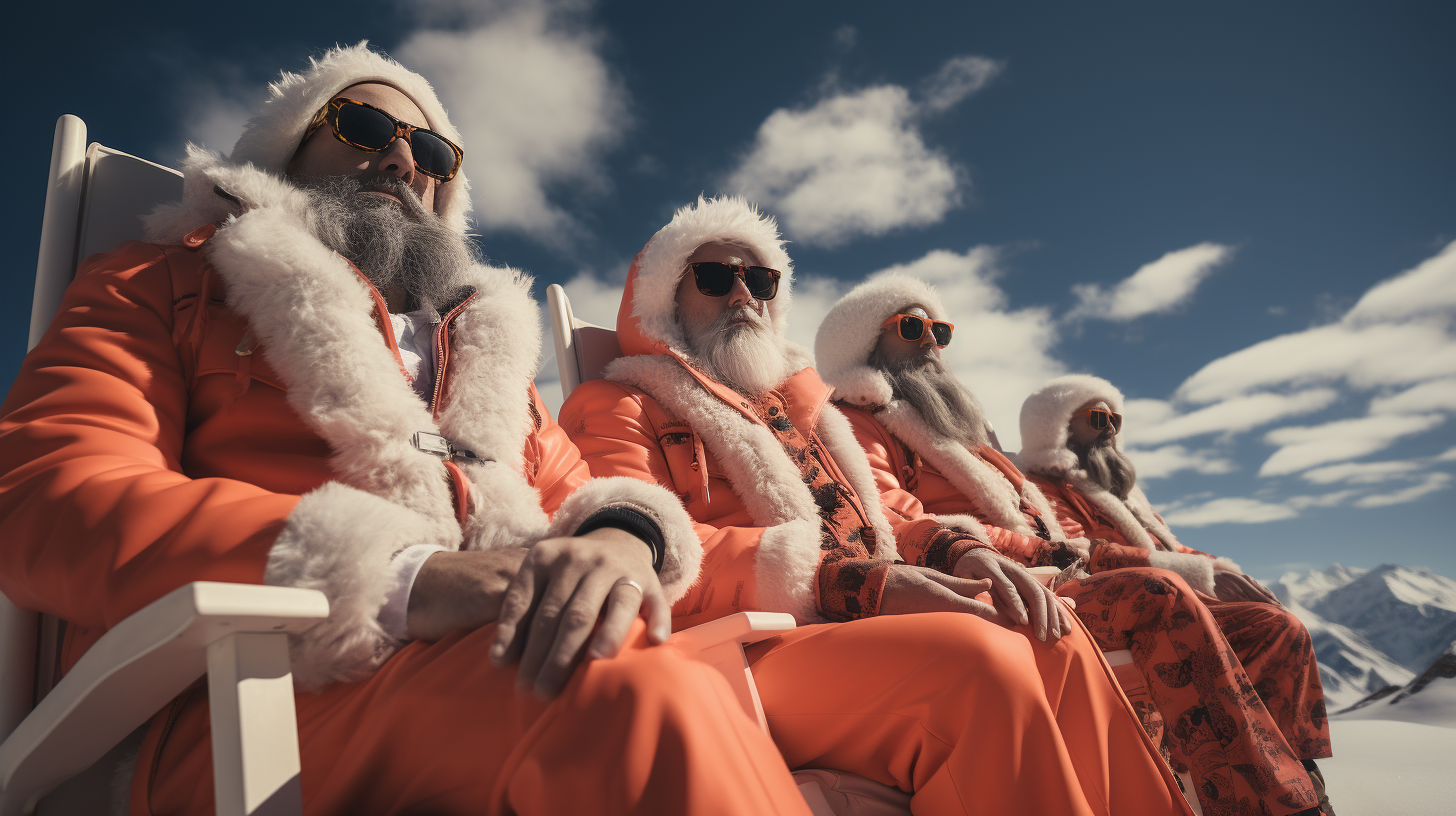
1409,611
1429,699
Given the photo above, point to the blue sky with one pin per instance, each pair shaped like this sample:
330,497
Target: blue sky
1196,201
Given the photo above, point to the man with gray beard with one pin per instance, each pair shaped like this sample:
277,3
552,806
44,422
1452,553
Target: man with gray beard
926,439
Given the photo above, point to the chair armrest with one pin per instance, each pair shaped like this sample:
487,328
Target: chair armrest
132,672
720,644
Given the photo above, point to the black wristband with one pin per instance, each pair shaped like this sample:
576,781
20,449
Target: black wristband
638,524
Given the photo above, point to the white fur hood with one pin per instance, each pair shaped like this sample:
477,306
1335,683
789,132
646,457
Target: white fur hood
850,331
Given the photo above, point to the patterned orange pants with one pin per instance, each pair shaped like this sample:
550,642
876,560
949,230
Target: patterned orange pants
1211,686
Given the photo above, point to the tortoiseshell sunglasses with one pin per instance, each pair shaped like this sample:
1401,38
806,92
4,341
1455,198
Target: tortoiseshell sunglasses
365,127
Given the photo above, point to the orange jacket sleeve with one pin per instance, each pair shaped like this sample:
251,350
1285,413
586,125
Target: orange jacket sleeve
99,518
557,467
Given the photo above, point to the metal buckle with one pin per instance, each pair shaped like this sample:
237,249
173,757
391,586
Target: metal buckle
437,445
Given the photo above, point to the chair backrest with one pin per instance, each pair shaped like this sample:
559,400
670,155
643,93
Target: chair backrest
583,349
95,197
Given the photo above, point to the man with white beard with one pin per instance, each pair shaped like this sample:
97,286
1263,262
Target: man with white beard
925,435
899,673
305,378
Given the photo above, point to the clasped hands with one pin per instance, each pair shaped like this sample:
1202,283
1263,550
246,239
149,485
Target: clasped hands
546,601
1020,598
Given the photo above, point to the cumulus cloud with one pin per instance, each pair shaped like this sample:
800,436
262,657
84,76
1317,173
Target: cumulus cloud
854,163
1302,447
535,103
1160,286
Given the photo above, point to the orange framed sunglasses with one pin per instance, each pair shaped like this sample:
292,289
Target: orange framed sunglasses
365,127
1100,419
913,327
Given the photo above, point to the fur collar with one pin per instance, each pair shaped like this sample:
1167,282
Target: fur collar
765,479
993,498
1133,518
315,318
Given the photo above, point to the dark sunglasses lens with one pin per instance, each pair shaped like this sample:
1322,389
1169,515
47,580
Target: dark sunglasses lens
365,127
941,332
911,328
762,282
713,279
1099,419
432,153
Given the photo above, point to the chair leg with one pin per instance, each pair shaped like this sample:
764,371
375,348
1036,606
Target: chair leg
255,760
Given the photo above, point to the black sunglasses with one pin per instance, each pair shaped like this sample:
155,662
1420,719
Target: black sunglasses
715,279
365,127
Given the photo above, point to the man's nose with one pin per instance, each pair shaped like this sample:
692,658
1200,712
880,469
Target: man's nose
398,160
927,340
739,294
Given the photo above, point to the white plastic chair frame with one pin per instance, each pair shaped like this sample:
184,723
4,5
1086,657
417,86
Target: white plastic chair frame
236,634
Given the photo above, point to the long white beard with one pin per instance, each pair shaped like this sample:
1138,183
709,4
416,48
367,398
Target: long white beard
943,402
750,358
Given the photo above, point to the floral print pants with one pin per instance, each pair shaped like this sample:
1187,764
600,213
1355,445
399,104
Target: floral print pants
1236,683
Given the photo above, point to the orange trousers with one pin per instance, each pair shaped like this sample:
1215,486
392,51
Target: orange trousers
967,716
437,730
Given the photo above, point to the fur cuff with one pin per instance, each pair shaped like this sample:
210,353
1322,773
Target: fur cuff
786,569
684,553
1225,564
969,525
339,540
1195,569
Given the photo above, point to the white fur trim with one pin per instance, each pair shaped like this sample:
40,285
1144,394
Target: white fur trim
970,525
725,219
764,478
683,556
340,541
1196,569
1225,564
1045,416
850,331
314,317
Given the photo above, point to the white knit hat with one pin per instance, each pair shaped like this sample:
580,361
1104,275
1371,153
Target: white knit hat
275,133
849,332
1046,414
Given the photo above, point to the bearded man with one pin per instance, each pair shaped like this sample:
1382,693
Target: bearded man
926,438
306,378
954,705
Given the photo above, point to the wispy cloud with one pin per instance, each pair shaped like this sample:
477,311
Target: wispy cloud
1432,483
855,163
1230,416
1160,463
1229,510
1302,447
1160,286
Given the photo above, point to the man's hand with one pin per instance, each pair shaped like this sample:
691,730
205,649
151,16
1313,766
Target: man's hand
1236,586
909,590
1016,591
460,590
564,586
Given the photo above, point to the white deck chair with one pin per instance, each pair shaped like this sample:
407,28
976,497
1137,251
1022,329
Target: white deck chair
68,738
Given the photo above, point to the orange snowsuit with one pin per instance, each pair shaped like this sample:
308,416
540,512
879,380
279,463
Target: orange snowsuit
148,443
967,716
1226,720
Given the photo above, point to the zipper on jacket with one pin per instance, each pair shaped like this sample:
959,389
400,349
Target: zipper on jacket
442,355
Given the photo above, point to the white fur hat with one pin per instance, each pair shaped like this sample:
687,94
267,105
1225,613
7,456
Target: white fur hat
273,135
849,332
724,219
1046,414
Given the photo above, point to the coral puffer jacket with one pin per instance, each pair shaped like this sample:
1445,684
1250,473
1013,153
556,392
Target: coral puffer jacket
147,444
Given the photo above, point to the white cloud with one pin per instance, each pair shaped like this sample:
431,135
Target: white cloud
1427,290
1160,286
1228,511
536,105
957,79
1303,447
1435,395
1232,416
855,163
1160,463
1432,483
1363,472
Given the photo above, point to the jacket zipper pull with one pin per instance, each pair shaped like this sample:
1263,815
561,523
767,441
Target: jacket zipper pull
700,459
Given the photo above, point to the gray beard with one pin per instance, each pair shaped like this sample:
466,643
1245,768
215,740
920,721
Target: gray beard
748,358
401,245
1108,467
946,405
